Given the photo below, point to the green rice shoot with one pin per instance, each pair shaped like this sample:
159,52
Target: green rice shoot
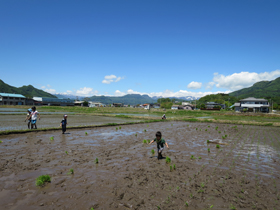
41,180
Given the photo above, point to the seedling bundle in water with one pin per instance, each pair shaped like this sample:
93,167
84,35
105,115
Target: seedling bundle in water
145,130
66,152
116,129
192,157
136,134
168,159
41,180
145,141
208,149
86,133
153,151
96,160
51,138
120,127
218,146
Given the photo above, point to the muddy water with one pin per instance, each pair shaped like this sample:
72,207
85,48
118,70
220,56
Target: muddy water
243,174
16,122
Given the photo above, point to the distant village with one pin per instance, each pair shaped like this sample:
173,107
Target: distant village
245,105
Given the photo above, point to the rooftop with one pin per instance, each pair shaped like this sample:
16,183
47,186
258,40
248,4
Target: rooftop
12,95
253,99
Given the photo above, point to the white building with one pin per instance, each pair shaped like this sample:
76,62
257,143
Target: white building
252,105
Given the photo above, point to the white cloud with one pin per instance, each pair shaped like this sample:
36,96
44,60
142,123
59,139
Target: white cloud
209,85
168,93
111,78
51,91
194,85
43,87
48,86
86,91
241,80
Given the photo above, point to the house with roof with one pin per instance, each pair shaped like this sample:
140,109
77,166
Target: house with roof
252,104
96,104
12,99
212,105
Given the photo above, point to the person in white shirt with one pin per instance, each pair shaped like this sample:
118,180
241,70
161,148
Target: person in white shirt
33,117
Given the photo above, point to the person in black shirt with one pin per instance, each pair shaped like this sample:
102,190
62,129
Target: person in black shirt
63,123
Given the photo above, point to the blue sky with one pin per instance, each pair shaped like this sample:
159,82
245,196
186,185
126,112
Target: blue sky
158,47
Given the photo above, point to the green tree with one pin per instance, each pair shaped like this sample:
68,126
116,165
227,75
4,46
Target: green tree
85,103
202,106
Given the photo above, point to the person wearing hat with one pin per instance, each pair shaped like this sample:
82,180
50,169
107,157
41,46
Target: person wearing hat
63,123
28,117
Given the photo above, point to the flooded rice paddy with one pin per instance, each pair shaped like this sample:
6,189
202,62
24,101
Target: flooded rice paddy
16,122
242,174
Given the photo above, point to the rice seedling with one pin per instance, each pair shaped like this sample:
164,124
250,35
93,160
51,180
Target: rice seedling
225,135
217,128
208,141
145,130
192,157
195,128
178,188
218,146
202,184
186,204
71,171
199,157
66,152
147,126
1,141
168,159
145,141
171,168
41,180
96,160
149,141
136,134
91,208
153,151
232,207
208,126
219,131
171,124
199,129
205,129
86,133
51,138
120,127
208,149
174,167
116,129
211,207
191,195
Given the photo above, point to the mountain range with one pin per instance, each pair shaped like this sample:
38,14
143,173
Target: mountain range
28,91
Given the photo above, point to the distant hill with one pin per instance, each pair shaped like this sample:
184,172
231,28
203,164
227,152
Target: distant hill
28,91
131,99
220,98
263,89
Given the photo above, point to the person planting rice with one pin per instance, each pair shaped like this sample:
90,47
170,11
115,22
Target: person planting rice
28,117
163,117
160,144
33,117
63,123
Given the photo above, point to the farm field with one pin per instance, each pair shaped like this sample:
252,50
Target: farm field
243,173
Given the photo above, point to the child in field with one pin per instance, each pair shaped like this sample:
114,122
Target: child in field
160,144
33,117
63,123
28,117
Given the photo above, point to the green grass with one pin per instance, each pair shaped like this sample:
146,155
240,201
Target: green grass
96,160
71,171
153,151
145,141
41,180
218,146
51,138
168,159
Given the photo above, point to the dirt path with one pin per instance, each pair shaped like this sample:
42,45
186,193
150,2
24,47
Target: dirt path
243,174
